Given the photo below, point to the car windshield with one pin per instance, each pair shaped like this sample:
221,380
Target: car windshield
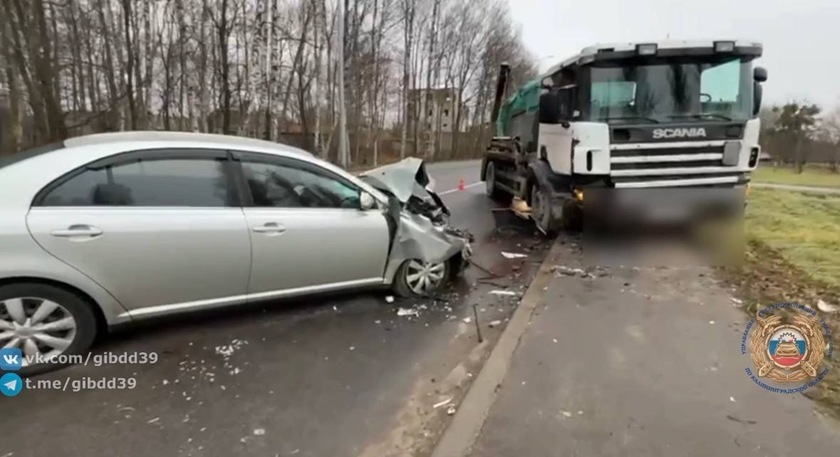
664,90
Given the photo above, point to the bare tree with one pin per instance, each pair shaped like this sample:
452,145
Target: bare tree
263,68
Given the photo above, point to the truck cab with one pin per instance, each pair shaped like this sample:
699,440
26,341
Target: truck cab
665,117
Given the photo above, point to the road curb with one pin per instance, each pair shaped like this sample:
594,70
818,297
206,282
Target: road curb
466,425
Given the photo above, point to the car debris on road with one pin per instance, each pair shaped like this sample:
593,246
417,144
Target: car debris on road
408,312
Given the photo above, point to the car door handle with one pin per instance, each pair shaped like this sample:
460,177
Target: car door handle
270,227
77,230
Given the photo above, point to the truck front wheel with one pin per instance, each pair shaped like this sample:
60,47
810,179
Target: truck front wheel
542,211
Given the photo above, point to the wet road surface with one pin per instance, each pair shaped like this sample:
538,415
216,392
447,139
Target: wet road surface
337,376
643,362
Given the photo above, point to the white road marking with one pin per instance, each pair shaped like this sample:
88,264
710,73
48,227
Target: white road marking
456,189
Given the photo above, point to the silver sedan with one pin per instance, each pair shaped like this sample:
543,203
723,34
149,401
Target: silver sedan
108,229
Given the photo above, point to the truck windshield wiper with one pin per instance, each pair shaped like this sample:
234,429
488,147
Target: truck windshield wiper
632,118
702,116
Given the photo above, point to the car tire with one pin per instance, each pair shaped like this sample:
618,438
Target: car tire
403,285
49,305
491,189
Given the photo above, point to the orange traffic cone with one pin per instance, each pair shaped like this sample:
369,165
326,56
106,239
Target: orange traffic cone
461,185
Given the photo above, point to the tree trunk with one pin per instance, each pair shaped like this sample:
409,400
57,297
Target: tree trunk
150,64
203,102
223,34
129,62
406,77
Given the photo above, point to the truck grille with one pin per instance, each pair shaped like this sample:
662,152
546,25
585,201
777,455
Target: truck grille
669,165
658,158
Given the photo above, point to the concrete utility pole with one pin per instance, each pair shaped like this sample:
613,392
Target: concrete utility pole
343,155
269,51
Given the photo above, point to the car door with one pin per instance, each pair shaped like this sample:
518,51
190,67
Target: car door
161,230
308,232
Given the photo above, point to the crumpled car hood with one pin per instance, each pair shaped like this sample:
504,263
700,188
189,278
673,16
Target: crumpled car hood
402,179
423,231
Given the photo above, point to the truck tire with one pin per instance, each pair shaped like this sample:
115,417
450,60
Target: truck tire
543,212
491,188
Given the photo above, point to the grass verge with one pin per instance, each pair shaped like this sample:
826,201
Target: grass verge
810,176
793,254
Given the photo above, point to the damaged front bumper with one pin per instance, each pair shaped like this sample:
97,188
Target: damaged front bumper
419,219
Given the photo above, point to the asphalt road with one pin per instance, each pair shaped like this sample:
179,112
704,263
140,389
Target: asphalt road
338,376
643,362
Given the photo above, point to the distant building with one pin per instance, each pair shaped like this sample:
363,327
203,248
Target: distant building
437,108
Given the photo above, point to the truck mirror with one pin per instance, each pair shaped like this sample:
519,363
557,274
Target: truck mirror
757,92
547,83
759,74
550,108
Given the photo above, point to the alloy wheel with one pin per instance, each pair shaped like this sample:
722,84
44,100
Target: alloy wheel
38,327
424,277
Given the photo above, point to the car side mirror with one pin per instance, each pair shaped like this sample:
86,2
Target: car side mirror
366,201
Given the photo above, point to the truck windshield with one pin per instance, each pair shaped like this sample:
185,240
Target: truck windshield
671,90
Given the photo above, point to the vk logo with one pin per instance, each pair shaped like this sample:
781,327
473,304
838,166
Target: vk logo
10,384
11,359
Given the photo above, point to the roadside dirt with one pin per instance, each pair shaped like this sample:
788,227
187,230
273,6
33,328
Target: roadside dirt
764,278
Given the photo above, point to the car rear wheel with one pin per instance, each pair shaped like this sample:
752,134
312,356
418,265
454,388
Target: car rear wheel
416,278
46,323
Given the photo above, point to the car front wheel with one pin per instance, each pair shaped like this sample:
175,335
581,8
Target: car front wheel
416,278
47,323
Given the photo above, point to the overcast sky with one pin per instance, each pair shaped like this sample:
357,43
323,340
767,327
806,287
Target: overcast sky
800,38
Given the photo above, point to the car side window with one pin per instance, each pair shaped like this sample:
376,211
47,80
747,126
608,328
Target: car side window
187,182
283,184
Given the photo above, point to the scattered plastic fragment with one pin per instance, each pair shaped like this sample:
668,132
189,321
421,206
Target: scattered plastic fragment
442,403
508,293
827,308
566,413
407,312
389,299
467,320
513,255
259,431
495,324
451,410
